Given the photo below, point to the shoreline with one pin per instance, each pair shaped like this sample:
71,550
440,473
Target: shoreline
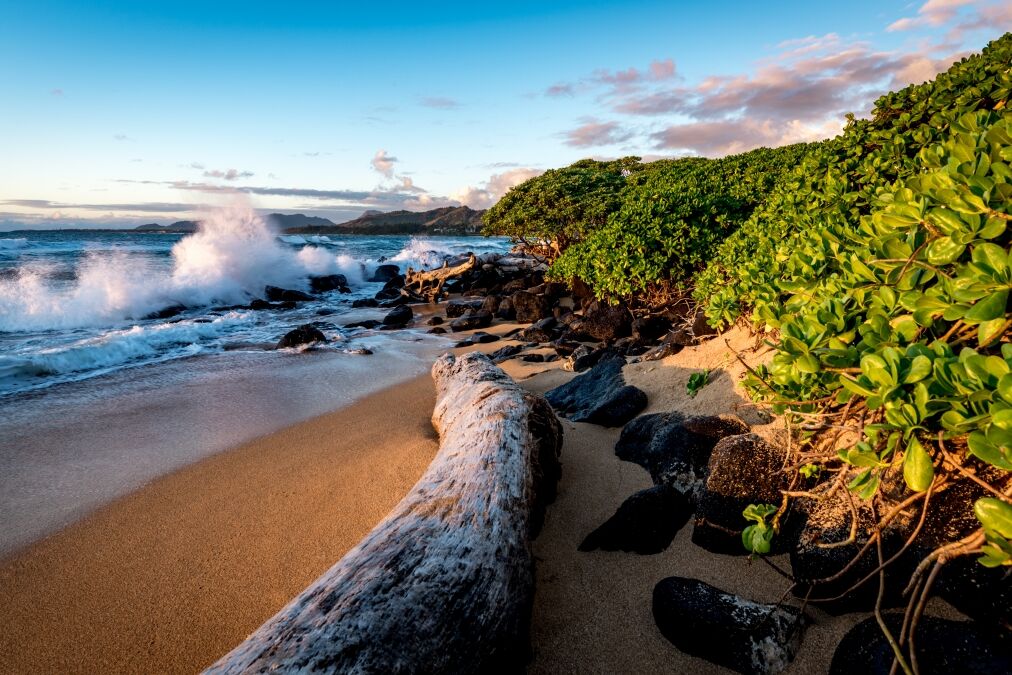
151,421
172,575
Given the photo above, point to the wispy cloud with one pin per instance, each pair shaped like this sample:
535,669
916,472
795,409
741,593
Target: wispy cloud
619,82
931,13
121,138
227,174
800,92
439,102
137,207
56,92
594,134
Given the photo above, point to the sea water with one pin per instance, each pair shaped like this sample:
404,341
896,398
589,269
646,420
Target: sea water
96,398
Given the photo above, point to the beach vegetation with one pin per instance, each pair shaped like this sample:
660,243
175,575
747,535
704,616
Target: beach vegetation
561,207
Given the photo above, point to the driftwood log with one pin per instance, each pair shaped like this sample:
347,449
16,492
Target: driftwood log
430,282
445,583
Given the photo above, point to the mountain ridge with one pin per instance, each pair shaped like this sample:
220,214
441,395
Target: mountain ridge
454,220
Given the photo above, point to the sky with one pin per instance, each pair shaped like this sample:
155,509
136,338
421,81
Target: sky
120,113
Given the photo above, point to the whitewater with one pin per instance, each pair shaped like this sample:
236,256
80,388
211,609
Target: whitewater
76,305
99,396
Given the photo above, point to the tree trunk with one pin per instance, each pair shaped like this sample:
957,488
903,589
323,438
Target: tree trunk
445,583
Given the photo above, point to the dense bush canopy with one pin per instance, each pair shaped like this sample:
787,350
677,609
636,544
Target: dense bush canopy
888,298
839,182
561,206
672,214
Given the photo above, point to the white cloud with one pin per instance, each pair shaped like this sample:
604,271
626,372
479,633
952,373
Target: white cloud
488,193
383,163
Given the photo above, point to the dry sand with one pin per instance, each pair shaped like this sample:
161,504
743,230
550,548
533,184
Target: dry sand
171,577
592,610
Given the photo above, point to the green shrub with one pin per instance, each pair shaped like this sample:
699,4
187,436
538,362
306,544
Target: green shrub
672,215
839,183
561,206
891,309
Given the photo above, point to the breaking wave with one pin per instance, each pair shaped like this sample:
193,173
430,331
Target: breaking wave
228,260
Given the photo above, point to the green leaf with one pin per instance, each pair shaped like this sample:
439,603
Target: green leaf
995,515
854,386
1005,387
876,369
984,450
906,327
757,538
920,368
807,363
944,251
987,331
992,255
992,306
918,471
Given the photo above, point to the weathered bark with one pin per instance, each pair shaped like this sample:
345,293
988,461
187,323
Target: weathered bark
512,264
445,583
430,283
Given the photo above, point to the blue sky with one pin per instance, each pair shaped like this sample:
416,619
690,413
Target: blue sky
125,112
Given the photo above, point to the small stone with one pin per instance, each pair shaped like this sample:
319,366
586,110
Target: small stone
399,316
645,523
304,334
746,636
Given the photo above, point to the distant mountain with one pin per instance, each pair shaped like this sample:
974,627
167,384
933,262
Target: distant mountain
292,221
182,226
446,220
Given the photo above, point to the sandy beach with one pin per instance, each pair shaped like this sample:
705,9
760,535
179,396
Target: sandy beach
172,576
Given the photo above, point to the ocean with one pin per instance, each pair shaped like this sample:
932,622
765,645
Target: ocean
96,399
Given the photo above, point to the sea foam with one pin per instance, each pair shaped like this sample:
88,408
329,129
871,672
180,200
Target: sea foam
229,260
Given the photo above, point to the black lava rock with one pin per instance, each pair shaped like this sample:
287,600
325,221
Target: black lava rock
650,327
606,322
368,324
539,331
166,312
385,273
457,308
667,347
675,449
365,302
742,470
505,310
388,294
329,282
943,647
746,636
471,319
478,338
275,294
530,307
645,522
399,316
591,357
303,335
599,396
506,352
